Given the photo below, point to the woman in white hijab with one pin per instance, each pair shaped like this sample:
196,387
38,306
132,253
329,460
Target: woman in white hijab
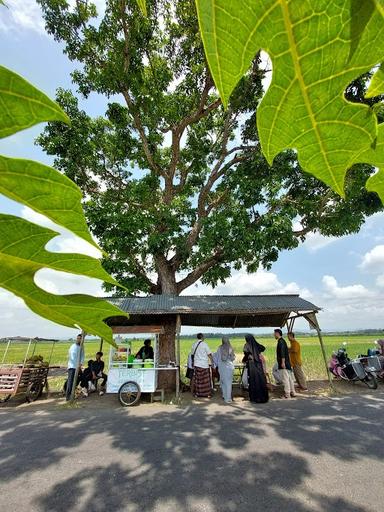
225,358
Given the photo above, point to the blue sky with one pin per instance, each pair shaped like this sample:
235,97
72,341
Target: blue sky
344,276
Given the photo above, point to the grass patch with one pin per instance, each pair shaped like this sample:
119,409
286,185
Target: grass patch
312,358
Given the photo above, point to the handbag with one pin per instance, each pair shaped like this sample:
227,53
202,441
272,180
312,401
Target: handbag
190,371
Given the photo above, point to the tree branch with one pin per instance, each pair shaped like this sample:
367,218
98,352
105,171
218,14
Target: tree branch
178,130
129,101
140,272
199,271
320,210
217,172
139,127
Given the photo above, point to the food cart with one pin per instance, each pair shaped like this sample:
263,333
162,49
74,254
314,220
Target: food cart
129,377
28,377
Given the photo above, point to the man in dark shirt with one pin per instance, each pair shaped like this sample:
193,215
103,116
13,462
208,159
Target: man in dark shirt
94,372
146,351
284,364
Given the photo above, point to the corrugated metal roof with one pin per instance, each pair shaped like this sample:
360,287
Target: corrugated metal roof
211,310
210,304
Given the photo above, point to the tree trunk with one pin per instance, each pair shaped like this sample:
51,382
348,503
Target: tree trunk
166,276
167,353
167,379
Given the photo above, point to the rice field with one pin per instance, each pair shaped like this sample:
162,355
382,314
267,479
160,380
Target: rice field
312,358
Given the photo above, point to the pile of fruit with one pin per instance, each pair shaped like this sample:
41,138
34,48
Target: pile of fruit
36,360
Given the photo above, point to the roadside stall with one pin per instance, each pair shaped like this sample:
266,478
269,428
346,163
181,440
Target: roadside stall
130,377
223,311
28,377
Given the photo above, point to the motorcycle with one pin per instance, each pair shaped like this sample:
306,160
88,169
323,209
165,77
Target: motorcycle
340,365
374,359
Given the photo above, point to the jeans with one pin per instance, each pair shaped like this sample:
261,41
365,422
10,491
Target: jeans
69,384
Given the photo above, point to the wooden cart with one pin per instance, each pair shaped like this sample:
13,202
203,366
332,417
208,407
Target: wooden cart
17,380
24,378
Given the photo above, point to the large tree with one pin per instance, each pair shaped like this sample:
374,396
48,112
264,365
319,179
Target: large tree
176,187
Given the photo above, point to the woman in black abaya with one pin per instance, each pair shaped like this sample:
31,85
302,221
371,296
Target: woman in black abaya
258,391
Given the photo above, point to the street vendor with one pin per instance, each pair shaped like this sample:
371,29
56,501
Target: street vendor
146,351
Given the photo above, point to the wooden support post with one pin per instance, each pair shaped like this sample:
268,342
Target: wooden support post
325,358
34,348
6,351
27,352
50,355
177,353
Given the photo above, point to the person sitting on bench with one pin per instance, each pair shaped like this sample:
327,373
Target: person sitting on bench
94,372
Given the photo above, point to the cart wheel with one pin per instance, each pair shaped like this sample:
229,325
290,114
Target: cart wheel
4,398
129,393
34,391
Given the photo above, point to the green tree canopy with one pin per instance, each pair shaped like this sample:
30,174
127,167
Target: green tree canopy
177,187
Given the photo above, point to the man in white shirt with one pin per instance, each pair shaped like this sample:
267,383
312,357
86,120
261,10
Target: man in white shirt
73,358
201,358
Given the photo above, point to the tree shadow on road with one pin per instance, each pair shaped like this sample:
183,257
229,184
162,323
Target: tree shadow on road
202,457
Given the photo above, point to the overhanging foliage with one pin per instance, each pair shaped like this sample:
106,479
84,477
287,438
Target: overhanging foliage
317,48
48,192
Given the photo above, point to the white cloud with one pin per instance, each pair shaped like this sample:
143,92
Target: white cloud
258,283
316,241
266,64
18,320
373,227
345,292
261,282
21,14
350,307
373,261
66,241
37,218
71,243
63,283
26,15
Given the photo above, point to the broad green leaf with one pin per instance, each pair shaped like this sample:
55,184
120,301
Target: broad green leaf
22,105
317,48
23,243
46,191
376,87
143,6
22,254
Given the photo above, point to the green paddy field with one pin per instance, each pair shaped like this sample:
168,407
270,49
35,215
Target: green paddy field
312,357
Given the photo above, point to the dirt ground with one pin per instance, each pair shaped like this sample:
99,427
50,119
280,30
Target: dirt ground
316,390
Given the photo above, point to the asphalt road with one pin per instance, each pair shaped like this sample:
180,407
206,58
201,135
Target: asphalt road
309,454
